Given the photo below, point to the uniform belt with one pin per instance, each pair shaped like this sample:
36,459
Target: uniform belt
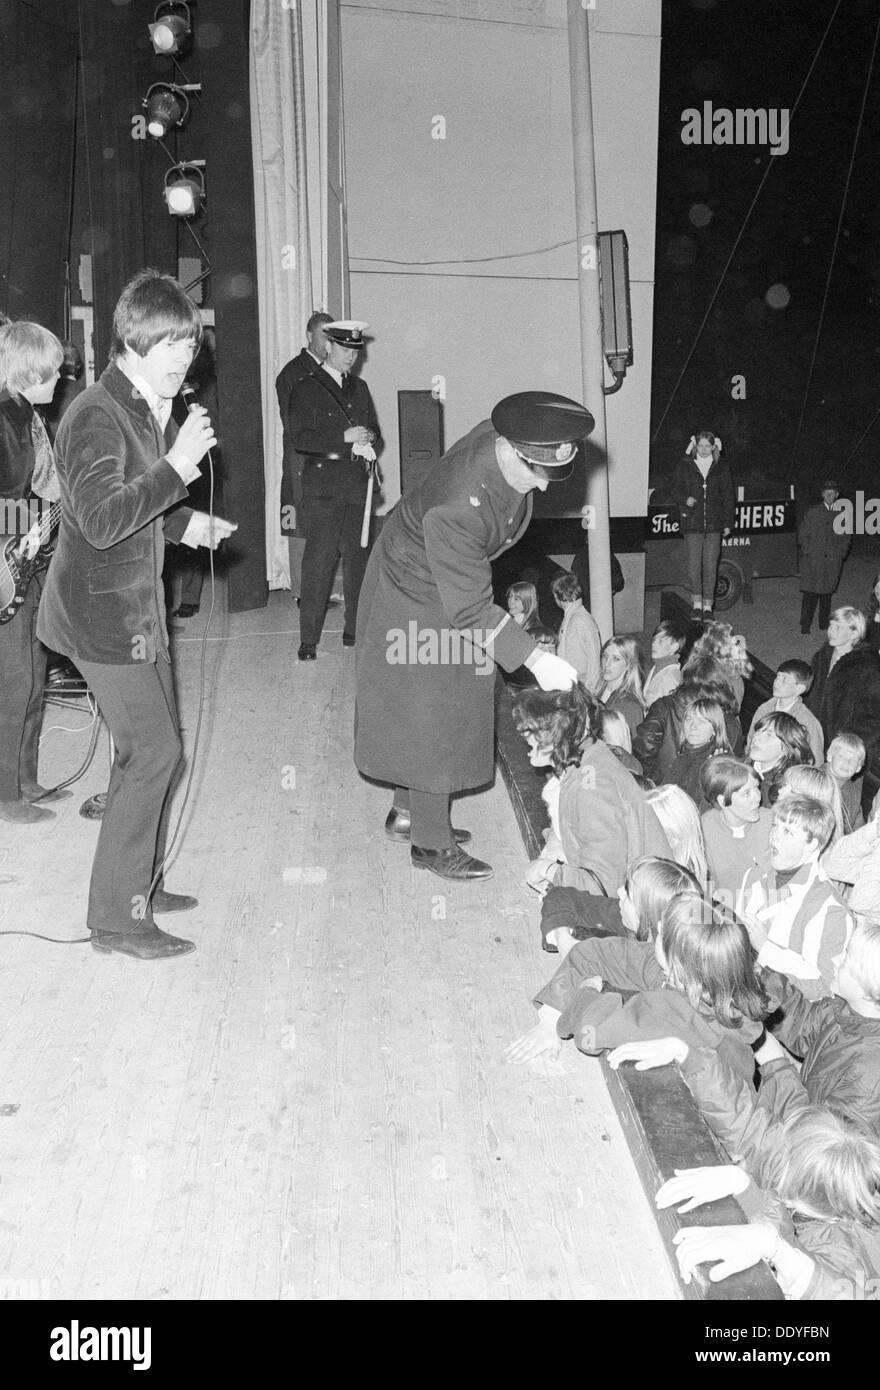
320,458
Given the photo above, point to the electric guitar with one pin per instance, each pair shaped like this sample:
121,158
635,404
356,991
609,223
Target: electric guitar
17,571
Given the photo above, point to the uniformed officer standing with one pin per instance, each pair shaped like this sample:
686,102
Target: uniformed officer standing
429,633
308,360
334,426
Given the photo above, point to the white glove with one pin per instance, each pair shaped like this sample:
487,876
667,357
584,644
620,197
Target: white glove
552,673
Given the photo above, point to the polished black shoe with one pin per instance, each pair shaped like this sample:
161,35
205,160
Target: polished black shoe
398,825
44,794
450,863
186,610
146,943
163,901
348,639
308,651
23,813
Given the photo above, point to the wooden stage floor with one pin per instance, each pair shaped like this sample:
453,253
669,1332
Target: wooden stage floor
314,1105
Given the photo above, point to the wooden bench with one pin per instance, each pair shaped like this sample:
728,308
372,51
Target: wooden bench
663,1126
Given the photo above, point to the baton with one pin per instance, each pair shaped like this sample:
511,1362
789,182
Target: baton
365,529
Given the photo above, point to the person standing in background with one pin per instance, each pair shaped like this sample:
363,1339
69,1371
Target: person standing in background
336,429
822,551
69,387
308,360
703,491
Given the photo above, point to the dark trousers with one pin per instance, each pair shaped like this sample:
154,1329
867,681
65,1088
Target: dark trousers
808,608
331,528
138,704
429,817
702,550
22,678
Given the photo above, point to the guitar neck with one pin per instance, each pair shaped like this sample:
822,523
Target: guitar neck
48,523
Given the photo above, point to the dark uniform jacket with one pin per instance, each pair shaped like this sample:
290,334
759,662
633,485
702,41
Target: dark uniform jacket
321,411
822,550
847,698
16,463
716,498
103,599
425,719
291,464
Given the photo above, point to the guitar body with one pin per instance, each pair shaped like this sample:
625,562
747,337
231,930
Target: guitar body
16,573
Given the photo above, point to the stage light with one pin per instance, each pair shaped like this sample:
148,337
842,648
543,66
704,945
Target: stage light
166,106
185,188
170,32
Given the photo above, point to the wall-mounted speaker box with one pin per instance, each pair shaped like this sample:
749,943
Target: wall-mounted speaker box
420,430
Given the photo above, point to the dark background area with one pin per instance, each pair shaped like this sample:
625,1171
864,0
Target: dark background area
76,181
755,53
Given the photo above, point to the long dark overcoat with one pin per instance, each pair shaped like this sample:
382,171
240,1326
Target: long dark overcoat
822,550
425,692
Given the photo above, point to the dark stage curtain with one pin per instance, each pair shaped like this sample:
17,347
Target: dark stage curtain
37,68
125,224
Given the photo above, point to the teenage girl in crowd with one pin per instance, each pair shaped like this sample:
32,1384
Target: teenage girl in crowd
776,742
614,730
621,687
569,915
704,735
728,648
701,981
680,820
658,739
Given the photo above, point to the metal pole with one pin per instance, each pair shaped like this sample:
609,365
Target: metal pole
597,518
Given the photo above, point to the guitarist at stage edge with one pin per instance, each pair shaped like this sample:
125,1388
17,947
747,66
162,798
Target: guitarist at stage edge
30,358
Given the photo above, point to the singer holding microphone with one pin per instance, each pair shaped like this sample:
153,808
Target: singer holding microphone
122,465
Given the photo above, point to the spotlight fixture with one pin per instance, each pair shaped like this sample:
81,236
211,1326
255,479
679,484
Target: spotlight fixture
185,188
170,31
167,105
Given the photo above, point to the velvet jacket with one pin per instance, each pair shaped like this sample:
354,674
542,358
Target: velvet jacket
104,600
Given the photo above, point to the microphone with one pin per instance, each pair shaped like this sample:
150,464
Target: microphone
188,392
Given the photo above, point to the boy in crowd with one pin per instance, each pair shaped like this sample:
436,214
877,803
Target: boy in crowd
846,759
793,680
796,922
667,644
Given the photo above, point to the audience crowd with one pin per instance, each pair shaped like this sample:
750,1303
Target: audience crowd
711,888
